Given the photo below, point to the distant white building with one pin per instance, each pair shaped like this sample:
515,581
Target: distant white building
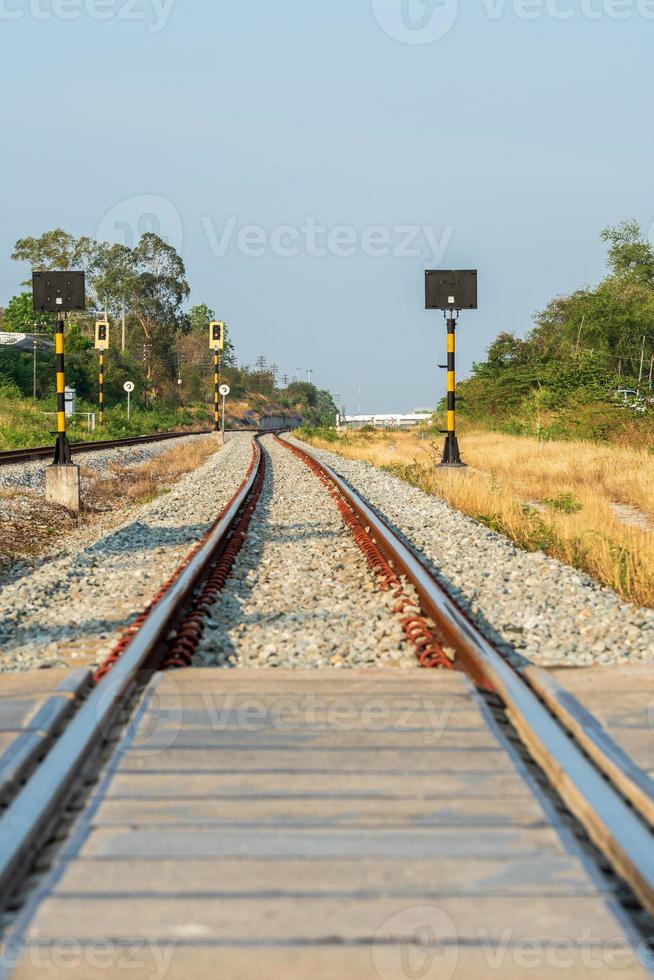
398,420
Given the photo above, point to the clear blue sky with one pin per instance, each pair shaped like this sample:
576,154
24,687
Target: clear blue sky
513,140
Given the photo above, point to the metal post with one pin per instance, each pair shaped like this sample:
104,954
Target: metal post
222,424
101,389
216,393
34,368
62,454
128,406
122,330
451,455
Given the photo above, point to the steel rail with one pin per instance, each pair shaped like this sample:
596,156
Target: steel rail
611,823
31,816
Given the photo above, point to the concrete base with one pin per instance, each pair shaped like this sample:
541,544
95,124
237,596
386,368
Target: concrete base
62,486
220,439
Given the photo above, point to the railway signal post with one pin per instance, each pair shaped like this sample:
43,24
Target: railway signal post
101,345
451,292
217,344
60,293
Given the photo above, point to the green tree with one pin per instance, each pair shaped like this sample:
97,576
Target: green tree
19,316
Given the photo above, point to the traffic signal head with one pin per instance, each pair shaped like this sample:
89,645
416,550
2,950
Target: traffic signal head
217,335
101,334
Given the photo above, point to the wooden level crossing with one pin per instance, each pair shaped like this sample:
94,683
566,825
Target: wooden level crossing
348,824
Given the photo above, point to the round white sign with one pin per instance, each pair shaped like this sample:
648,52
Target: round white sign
128,386
224,390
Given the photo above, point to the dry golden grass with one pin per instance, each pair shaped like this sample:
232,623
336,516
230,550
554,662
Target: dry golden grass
550,496
138,484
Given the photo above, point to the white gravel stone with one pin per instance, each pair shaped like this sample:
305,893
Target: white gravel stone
75,605
536,608
301,593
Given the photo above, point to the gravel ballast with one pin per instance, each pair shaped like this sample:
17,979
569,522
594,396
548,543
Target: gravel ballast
534,607
75,605
301,594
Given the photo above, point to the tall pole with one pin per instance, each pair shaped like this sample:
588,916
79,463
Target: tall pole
216,393
62,455
642,361
122,330
101,388
451,455
34,367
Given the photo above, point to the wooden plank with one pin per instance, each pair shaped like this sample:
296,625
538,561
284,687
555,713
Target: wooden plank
198,960
249,921
214,877
212,785
300,811
185,842
426,760
33,710
605,746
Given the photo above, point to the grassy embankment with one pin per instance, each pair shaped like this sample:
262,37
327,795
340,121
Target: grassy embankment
558,497
23,421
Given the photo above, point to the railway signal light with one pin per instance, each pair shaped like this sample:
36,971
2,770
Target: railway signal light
217,335
102,334
217,344
451,291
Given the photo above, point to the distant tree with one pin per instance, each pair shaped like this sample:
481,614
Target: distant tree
630,253
19,317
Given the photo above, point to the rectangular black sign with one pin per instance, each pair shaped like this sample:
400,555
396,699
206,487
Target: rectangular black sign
58,292
451,290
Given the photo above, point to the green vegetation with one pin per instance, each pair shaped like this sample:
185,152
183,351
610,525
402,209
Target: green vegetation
562,380
164,344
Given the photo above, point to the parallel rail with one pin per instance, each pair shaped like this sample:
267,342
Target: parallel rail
10,456
33,815
621,832
618,829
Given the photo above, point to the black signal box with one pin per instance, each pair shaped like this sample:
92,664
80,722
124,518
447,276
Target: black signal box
58,292
451,290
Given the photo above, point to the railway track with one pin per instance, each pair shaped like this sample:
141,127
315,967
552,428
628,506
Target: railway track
601,791
12,456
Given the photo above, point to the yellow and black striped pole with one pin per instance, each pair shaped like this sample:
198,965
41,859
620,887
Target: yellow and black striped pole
101,389
62,448
451,455
216,393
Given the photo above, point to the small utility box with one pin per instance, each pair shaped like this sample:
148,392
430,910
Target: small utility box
70,401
